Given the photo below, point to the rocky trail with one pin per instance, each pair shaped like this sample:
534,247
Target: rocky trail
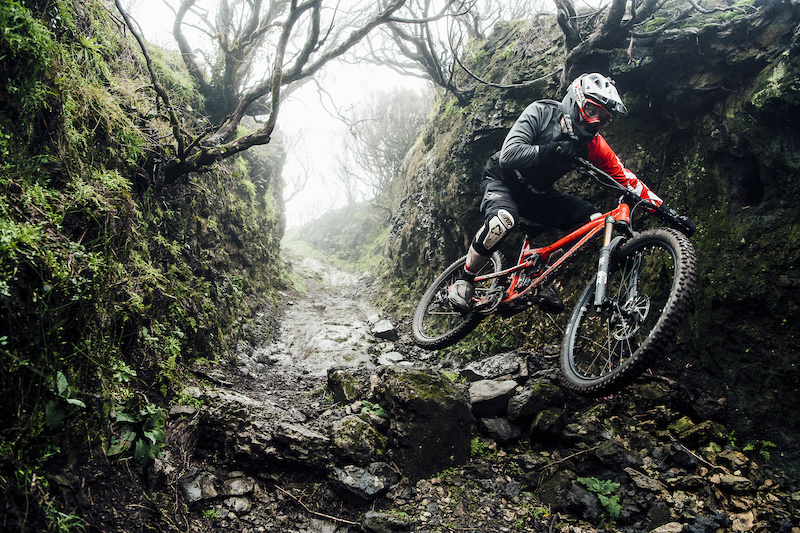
333,421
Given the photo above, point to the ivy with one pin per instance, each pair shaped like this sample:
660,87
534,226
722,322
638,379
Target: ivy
604,490
139,428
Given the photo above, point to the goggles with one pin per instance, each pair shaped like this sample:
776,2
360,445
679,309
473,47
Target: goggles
594,113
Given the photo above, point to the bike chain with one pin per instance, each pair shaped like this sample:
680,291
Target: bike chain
489,303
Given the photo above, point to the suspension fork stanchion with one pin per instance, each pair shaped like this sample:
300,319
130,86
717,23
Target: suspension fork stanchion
602,266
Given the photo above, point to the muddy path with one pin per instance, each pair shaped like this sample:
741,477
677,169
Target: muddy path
329,325
282,364
267,414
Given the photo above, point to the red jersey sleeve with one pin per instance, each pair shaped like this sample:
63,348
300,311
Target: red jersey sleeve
603,157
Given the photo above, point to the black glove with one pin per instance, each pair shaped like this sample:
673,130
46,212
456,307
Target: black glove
559,156
683,223
558,153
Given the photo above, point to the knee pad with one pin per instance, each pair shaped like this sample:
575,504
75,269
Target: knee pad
493,231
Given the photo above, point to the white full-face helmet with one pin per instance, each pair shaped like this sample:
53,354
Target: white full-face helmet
592,99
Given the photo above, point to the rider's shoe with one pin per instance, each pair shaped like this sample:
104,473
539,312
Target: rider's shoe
460,295
548,300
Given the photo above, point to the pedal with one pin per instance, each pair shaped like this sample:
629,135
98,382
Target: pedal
488,304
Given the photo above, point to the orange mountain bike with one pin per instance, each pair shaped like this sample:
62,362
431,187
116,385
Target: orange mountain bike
640,293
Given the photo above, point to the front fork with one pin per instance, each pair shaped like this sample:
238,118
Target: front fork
609,245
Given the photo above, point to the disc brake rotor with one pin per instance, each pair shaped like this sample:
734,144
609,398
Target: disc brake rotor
629,317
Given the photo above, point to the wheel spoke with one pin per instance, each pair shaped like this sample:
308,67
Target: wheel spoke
604,343
436,323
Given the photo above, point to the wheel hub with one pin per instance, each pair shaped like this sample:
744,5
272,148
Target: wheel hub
628,318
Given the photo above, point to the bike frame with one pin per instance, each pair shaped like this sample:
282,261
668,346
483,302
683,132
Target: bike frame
535,260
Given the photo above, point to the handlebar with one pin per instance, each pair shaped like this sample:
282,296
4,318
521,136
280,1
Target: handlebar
665,214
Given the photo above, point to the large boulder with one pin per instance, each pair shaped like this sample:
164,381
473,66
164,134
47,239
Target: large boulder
534,397
245,427
357,439
430,420
490,397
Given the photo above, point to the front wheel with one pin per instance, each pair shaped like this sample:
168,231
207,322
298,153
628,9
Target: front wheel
650,285
436,323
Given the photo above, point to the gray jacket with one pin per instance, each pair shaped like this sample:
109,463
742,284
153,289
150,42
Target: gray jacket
518,161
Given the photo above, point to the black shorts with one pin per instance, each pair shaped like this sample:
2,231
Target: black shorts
550,208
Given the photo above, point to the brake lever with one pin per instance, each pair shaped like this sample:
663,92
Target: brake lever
680,222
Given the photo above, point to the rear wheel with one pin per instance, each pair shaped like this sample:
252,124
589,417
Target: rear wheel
650,285
436,323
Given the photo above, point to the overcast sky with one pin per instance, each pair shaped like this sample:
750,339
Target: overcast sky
314,133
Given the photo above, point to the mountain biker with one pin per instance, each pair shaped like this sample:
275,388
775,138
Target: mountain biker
540,148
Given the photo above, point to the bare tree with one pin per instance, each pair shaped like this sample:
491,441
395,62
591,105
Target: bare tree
437,47
481,17
431,48
384,129
346,178
262,48
295,177
381,131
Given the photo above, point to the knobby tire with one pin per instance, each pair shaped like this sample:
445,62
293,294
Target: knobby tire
650,285
436,323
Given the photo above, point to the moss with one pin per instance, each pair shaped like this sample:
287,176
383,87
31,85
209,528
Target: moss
247,190
174,77
681,425
427,411
360,440
343,386
27,54
770,83
108,276
776,82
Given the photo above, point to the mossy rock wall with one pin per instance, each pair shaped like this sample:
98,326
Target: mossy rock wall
712,129
113,281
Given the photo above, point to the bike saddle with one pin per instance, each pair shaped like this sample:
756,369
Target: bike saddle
532,230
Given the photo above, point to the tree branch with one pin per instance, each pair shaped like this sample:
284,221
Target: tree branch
348,43
240,34
173,118
506,86
186,50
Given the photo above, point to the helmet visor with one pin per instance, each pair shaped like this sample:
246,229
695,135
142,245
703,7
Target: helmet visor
594,113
